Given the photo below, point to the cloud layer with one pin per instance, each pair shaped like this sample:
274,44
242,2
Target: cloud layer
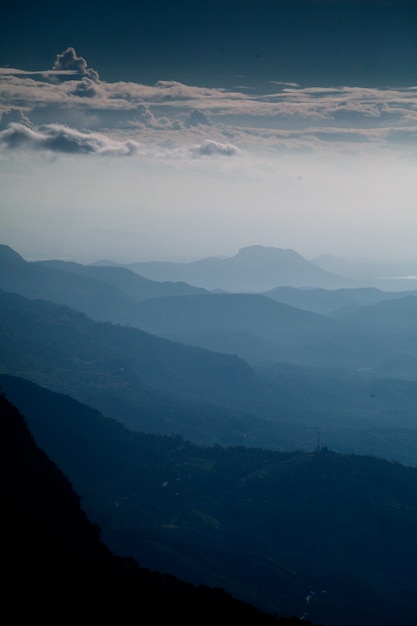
68,108
59,138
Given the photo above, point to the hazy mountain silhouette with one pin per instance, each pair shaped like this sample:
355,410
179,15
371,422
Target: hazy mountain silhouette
395,322
8,255
334,265
117,294
388,275
136,287
152,378
252,269
323,535
264,331
156,385
104,293
394,316
251,326
327,301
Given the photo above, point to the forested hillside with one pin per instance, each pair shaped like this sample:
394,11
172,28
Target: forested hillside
157,385
53,559
273,528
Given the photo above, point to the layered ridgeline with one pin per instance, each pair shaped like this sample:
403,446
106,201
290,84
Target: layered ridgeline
103,293
319,371
260,268
283,327
148,382
54,563
328,537
264,332
156,385
334,301
254,268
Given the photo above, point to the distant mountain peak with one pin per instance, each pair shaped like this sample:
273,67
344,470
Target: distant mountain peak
258,249
8,255
254,268
265,252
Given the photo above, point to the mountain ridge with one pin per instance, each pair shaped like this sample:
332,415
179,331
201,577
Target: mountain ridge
50,546
156,385
253,269
275,526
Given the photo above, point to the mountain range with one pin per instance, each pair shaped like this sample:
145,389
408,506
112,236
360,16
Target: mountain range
156,385
103,293
252,269
279,326
328,301
158,377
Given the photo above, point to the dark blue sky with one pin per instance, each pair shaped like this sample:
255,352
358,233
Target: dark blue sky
229,42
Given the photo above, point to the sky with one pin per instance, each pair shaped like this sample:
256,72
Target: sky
176,131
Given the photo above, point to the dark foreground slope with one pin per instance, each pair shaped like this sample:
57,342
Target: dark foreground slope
324,535
55,567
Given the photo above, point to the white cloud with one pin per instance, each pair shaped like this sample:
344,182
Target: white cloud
59,138
86,88
197,118
214,148
172,115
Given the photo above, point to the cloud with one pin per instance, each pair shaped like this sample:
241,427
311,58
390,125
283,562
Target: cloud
197,118
59,138
214,148
86,88
68,60
172,115
14,115
284,84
